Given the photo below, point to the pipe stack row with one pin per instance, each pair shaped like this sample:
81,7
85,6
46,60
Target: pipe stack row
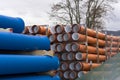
81,49
37,30
15,61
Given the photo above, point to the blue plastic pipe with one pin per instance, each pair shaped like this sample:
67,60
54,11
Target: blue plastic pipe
14,41
45,77
17,24
21,64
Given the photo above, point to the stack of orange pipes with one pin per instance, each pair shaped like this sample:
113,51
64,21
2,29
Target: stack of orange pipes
37,30
69,44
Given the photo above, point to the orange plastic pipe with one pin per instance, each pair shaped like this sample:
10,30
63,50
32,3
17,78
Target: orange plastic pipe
91,57
114,38
26,30
112,54
91,40
60,47
81,29
112,49
59,29
78,47
53,38
64,66
67,37
86,66
37,29
114,44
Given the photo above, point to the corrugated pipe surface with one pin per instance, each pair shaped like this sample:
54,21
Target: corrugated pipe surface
17,64
17,24
13,41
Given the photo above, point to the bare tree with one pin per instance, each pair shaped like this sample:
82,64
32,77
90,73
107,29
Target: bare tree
66,11
96,10
92,12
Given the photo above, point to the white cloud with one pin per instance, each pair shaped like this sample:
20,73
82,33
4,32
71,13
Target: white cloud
114,22
35,12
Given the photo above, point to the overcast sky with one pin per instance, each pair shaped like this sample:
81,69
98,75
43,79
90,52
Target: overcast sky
35,12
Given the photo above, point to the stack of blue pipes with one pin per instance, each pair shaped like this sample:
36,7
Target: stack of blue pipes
16,66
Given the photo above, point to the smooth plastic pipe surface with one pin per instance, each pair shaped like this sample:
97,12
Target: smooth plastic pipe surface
41,77
91,57
20,64
17,24
81,29
13,41
114,44
78,47
114,38
91,40
111,54
38,29
112,49
86,66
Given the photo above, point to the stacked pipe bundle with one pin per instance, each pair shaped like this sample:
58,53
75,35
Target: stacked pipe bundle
16,66
80,49
37,30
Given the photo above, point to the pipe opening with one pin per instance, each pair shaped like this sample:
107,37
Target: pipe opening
64,56
72,75
78,56
68,29
53,47
59,29
35,29
75,28
80,74
71,66
78,67
66,37
64,66
59,47
59,38
66,75
68,47
52,38
74,47
75,36
70,56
